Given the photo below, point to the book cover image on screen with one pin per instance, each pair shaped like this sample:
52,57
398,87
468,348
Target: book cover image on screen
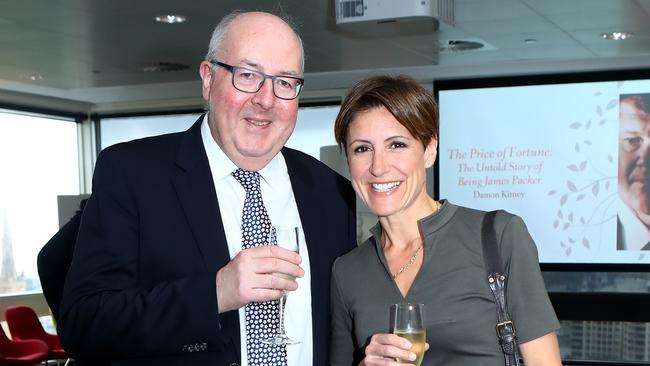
570,158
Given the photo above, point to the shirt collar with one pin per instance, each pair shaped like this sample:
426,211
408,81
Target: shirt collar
427,225
636,234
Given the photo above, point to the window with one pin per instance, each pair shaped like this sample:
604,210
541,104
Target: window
120,129
602,310
314,134
612,341
39,161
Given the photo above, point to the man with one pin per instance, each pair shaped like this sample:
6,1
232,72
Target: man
633,173
162,273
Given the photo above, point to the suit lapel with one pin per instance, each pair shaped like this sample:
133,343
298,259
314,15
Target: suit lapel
195,189
194,186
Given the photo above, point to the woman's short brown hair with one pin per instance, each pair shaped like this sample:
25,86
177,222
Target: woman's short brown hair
412,106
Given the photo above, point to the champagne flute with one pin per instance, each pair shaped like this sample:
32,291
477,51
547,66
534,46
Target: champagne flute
287,238
407,320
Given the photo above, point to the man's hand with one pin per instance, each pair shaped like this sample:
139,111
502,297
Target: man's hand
248,277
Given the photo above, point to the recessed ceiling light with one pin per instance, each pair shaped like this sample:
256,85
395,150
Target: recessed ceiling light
617,36
171,18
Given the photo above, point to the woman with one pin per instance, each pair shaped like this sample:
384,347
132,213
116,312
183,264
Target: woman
423,250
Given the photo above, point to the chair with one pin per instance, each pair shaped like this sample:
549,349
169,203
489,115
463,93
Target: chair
23,324
19,352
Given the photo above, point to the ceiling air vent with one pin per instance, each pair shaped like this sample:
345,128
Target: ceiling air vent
459,45
163,67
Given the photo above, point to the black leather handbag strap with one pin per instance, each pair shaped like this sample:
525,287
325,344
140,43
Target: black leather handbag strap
497,281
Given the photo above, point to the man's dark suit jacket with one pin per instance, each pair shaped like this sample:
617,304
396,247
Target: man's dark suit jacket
142,286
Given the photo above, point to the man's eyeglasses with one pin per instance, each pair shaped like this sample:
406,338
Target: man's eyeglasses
633,143
251,81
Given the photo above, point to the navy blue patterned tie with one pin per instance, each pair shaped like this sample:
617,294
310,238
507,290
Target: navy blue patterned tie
261,317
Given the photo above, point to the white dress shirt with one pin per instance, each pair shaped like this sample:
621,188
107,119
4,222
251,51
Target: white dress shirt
280,204
636,234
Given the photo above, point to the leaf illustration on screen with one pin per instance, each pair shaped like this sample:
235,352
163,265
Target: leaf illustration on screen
595,188
587,179
572,186
612,103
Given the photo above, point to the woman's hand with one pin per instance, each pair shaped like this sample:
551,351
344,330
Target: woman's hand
384,348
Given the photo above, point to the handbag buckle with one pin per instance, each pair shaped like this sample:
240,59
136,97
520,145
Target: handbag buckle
504,328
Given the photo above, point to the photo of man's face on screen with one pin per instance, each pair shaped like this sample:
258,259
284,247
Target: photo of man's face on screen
633,229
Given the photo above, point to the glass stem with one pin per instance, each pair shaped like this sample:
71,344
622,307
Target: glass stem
283,299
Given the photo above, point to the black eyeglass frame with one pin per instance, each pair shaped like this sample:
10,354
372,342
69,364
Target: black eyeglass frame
233,69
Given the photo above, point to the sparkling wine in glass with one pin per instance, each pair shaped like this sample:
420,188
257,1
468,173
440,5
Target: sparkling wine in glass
407,321
287,238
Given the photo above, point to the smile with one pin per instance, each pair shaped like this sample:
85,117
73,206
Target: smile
384,187
258,123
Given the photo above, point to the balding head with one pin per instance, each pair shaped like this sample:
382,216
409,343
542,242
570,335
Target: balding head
216,47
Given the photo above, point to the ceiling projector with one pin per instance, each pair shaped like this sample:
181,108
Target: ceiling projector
384,11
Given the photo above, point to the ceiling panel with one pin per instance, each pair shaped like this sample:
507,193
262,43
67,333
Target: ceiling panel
554,7
495,10
85,44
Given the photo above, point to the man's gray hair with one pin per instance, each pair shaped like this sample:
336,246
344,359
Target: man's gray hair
220,31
